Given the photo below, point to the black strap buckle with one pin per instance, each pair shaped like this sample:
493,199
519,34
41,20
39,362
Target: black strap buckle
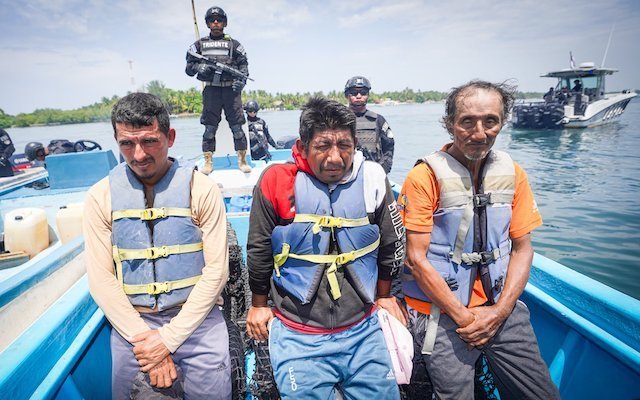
486,257
452,282
481,199
498,283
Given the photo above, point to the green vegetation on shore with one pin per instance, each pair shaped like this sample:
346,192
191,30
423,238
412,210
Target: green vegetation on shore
190,102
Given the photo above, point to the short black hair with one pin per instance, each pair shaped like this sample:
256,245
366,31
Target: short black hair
506,91
321,114
140,109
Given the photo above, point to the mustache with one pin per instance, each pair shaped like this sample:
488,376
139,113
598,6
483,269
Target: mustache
324,167
469,141
143,161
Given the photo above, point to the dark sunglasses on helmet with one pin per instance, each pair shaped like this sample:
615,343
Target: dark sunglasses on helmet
361,92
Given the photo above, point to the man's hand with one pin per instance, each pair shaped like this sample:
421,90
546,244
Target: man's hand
484,326
163,374
395,307
257,322
149,349
238,84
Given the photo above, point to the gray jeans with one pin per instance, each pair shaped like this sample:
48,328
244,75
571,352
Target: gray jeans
202,361
512,354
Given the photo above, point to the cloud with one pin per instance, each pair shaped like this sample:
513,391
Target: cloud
69,53
61,78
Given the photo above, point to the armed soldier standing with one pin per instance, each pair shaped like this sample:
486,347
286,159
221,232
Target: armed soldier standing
223,89
374,135
259,137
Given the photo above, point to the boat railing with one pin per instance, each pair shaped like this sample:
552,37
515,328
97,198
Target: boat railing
18,284
580,320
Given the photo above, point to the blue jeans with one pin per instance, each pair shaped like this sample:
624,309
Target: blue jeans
355,361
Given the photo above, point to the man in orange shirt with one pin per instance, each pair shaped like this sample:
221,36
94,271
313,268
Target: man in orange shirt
469,212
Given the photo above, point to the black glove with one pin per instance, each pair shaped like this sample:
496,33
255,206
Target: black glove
238,84
3,161
204,68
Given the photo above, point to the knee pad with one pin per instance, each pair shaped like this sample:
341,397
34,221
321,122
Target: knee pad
237,131
209,132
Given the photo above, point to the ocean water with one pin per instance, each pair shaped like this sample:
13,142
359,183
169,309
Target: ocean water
586,181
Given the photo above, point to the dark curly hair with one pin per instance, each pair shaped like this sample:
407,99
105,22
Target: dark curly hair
140,109
320,114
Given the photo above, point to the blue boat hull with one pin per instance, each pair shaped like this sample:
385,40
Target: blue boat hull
588,333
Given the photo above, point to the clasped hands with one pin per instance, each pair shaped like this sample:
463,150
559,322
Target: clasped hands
480,325
154,358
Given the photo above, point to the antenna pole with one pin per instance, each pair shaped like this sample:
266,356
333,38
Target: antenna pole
195,25
195,21
608,43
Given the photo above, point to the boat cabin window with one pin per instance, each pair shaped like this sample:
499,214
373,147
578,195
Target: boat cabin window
592,86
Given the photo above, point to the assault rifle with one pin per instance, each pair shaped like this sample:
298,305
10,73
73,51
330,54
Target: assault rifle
220,67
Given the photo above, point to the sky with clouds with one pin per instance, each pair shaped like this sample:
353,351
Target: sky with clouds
70,53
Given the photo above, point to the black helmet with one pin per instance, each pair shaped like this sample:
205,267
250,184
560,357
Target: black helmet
251,106
215,11
357,82
32,149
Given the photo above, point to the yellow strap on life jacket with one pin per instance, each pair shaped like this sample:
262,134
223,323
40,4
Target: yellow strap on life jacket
327,221
151,253
335,260
160,287
149,214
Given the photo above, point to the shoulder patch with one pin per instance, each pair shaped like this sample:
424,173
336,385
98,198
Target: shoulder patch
402,202
240,49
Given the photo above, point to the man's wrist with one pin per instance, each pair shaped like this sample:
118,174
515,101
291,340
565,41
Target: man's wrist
259,300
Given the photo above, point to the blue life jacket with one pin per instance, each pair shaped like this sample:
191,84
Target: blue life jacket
451,251
157,251
301,249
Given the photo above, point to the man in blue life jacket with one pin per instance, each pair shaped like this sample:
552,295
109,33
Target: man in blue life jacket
222,89
157,261
325,240
6,151
259,136
374,135
469,212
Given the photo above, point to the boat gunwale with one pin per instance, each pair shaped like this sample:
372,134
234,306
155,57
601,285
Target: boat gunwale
18,284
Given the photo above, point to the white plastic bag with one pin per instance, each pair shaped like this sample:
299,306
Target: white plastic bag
400,345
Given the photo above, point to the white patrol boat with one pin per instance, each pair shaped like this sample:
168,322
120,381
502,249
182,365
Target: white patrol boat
578,100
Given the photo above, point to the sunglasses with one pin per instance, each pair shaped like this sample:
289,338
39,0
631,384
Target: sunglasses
217,19
361,92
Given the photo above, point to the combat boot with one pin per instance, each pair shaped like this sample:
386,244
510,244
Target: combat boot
242,161
208,163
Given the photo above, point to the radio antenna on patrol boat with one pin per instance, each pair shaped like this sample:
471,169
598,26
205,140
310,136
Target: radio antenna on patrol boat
606,50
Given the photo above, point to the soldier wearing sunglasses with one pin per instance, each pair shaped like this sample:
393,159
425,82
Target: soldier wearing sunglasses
374,135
